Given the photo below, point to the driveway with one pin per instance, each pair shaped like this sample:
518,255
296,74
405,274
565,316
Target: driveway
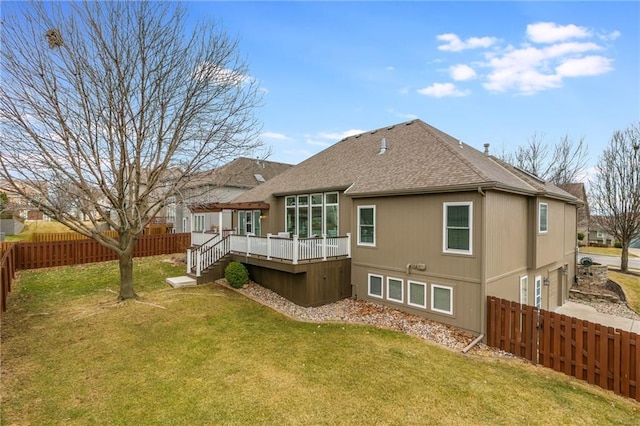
588,313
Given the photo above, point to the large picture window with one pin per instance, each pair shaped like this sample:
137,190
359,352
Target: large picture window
457,233
543,218
312,215
367,225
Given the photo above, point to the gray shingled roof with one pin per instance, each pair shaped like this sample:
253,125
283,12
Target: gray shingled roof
239,173
419,159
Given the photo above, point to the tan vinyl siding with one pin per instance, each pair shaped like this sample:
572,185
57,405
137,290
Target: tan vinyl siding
409,231
549,246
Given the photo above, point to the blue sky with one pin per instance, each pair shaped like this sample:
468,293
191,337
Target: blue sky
494,72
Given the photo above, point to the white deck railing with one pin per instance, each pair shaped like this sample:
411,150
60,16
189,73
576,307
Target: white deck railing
293,249
270,247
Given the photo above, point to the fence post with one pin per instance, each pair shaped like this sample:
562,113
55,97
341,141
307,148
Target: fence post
294,255
324,246
189,265
349,244
268,246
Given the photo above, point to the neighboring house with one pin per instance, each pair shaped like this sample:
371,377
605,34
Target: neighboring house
432,227
578,190
193,209
19,205
598,236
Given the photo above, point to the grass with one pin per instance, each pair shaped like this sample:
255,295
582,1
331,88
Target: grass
630,284
604,251
208,355
39,226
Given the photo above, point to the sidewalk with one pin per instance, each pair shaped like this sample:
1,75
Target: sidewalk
589,313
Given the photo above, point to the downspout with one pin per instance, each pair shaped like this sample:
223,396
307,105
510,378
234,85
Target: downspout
483,271
472,344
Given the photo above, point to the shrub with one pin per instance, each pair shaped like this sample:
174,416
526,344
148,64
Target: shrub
617,244
580,236
236,274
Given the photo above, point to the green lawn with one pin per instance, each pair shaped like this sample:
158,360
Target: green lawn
630,284
208,355
605,251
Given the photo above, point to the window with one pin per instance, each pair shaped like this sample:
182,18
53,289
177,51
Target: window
458,218
538,289
367,225
524,290
543,218
417,294
309,215
442,299
331,214
248,222
395,289
375,285
198,222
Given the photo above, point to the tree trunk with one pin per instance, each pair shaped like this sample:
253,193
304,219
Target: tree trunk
126,267
624,260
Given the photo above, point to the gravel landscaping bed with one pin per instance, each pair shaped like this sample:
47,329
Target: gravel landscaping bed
362,312
617,309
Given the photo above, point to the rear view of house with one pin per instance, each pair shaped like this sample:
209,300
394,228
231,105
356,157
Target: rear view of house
433,227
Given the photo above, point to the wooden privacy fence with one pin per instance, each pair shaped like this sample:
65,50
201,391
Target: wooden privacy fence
29,255
600,355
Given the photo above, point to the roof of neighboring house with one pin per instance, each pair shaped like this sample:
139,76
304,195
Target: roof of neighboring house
240,173
418,159
578,190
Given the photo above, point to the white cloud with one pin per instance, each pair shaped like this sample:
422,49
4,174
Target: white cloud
318,143
550,32
407,116
462,72
273,135
404,90
341,135
441,90
610,36
589,65
454,44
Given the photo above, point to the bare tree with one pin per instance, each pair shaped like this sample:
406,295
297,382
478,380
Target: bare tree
566,164
108,107
615,189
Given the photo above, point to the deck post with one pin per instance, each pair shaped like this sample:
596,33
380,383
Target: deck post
189,265
324,246
198,262
349,244
268,246
294,255
248,245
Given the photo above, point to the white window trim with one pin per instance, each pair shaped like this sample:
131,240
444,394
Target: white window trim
538,291
360,243
442,311
524,278
401,300
540,231
424,301
444,227
380,296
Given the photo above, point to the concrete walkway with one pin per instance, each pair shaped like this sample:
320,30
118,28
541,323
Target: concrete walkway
589,313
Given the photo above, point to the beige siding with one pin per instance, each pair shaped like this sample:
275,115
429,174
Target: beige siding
409,231
549,246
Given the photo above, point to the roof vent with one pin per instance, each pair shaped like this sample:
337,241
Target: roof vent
259,178
383,146
486,149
